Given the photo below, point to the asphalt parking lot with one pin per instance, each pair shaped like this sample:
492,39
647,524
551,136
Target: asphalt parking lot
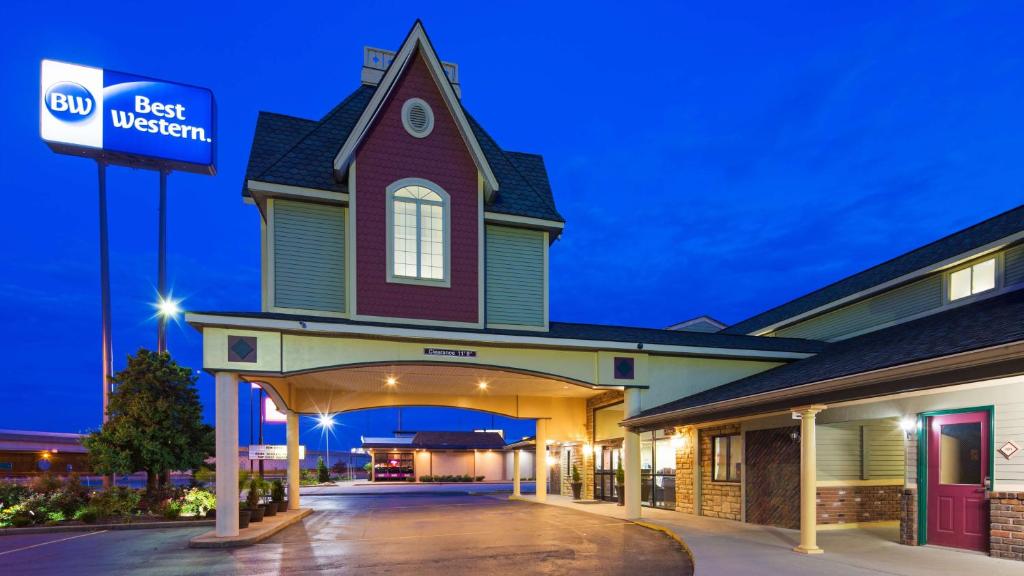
421,534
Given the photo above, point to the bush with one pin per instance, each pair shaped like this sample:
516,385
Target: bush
171,510
307,478
87,515
277,491
426,478
197,501
322,475
12,494
252,499
204,476
32,510
155,500
46,484
54,518
479,478
116,501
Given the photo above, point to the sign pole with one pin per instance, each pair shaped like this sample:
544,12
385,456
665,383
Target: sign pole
108,367
161,276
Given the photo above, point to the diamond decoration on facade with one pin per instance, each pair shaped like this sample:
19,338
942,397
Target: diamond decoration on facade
241,349
1009,449
624,368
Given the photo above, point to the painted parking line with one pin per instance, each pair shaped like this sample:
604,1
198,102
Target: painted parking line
52,542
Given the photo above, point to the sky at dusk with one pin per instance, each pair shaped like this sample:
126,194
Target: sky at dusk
709,158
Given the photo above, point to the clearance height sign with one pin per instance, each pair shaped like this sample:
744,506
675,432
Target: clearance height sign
126,118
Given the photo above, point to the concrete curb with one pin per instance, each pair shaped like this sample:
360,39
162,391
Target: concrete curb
258,532
102,527
672,535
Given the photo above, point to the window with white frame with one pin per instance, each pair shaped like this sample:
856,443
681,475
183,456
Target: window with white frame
973,279
419,237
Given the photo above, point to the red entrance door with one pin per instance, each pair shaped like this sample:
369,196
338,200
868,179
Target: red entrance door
958,455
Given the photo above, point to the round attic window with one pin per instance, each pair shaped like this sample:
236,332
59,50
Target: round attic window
417,117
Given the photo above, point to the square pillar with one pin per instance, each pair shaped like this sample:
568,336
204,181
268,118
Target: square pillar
541,460
808,481
631,457
226,396
516,484
293,460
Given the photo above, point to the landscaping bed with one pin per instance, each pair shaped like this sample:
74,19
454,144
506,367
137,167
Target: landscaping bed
50,501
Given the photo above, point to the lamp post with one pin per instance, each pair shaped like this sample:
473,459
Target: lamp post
167,308
325,422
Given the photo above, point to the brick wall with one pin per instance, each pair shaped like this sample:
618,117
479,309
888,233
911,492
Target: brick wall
686,461
586,463
846,504
717,499
908,517
1007,525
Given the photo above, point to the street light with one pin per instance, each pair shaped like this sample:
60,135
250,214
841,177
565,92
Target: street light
166,308
325,422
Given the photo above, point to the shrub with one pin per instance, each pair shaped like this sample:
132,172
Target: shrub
154,500
204,476
576,475
12,494
322,474
277,491
116,501
87,515
197,501
46,484
54,518
171,510
479,478
252,499
307,478
426,478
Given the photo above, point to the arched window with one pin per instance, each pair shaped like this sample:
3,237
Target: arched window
418,232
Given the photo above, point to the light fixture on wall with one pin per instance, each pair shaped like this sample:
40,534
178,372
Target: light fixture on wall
588,450
551,460
678,441
909,426
794,436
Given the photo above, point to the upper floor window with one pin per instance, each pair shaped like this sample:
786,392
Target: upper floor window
418,221
973,279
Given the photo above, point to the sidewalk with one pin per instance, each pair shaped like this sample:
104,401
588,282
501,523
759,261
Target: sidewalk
364,488
724,547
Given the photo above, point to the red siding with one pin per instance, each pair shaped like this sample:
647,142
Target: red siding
389,153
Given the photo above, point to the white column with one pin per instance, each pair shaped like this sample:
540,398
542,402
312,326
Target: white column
293,460
631,456
541,460
226,396
516,490
808,481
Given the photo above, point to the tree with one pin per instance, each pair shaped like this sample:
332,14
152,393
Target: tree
155,421
322,475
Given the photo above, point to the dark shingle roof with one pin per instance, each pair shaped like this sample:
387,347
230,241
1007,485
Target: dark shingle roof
980,234
598,332
991,322
298,152
458,441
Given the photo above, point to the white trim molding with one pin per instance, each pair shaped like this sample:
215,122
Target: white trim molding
404,332
264,190
446,208
523,221
417,39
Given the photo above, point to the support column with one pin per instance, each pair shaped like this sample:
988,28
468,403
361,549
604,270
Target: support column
808,481
631,457
293,460
516,488
541,460
226,396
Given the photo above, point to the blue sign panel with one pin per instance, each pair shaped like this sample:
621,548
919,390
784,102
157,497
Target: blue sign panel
126,118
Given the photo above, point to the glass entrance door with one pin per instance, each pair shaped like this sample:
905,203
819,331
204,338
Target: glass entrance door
606,461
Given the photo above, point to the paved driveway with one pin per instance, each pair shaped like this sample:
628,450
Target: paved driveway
368,535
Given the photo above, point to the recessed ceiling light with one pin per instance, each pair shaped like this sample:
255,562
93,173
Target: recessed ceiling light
391,381
482,385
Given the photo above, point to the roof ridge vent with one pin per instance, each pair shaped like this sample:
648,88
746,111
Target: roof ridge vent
377,60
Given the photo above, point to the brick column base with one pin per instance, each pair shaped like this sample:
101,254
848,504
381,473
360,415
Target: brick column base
1006,532
908,517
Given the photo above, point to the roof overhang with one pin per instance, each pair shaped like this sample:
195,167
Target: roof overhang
416,40
199,320
955,369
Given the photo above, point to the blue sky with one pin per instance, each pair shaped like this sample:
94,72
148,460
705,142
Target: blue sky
716,158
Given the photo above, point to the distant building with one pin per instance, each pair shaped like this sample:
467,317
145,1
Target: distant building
27,453
405,458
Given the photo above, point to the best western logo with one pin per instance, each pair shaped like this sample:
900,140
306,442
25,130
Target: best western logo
69,102
159,125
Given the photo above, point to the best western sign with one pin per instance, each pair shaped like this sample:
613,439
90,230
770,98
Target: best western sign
127,119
